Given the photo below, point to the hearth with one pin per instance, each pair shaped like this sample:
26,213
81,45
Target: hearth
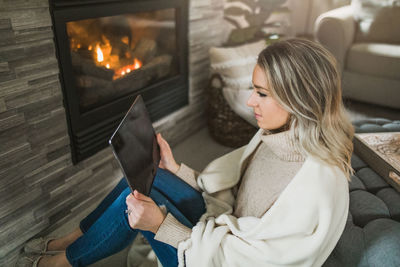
109,52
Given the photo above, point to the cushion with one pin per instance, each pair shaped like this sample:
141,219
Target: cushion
236,64
371,128
375,59
357,163
376,20
372,181
377,121
392,127
350,249
356,184
382,242
376,125
237,98
366,207
392,200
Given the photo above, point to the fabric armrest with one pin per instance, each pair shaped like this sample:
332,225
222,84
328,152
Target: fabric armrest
335,30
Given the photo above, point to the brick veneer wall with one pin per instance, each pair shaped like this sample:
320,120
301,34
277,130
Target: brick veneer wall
40,188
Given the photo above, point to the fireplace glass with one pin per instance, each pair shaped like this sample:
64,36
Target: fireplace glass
110,51
118,55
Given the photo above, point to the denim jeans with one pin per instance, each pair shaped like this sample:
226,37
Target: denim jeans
107,231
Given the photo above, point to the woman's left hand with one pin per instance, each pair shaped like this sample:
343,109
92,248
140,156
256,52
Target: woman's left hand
144,212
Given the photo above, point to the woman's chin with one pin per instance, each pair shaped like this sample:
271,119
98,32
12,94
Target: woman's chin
260,125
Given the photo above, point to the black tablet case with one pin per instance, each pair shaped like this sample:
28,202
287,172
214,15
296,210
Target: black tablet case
135,146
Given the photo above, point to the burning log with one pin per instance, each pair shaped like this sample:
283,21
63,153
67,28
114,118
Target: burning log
145,50
132,81
87,67
158,68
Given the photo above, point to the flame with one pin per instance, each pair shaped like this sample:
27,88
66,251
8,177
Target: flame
103,57
100,57
137,64
125,40
127,69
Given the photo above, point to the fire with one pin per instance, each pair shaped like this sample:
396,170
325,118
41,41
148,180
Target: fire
127,69
102,53
137,63
100,56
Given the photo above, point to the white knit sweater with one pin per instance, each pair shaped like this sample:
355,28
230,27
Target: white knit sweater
300,229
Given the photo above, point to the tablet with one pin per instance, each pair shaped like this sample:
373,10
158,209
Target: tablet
135,147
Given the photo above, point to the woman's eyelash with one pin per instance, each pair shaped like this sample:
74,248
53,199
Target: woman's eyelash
261,94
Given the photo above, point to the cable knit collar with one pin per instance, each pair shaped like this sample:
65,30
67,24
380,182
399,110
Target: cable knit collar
282,145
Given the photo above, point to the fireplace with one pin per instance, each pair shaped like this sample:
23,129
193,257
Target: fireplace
109,52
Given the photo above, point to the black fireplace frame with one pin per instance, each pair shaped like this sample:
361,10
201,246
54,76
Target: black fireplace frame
89,131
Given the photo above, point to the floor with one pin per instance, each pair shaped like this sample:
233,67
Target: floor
196,151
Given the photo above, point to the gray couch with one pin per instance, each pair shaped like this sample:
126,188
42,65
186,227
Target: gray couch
365,39
372,233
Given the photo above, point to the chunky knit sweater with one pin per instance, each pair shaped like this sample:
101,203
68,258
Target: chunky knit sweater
269,170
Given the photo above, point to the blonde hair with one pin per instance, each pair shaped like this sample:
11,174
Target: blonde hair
304,79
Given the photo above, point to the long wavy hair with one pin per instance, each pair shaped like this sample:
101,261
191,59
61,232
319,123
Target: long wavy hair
304,78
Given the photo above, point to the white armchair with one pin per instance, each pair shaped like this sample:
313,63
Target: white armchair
366,44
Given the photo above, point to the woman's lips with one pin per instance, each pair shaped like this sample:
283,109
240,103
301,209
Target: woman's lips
258,116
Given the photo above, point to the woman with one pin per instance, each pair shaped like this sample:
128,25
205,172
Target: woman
280,200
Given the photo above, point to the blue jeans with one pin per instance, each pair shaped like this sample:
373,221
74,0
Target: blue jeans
107,231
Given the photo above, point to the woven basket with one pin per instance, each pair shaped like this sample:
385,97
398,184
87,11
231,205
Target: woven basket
225,126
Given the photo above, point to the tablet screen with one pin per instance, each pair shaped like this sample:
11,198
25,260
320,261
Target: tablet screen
135,147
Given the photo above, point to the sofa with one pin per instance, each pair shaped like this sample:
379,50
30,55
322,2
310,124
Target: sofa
372,233
364,37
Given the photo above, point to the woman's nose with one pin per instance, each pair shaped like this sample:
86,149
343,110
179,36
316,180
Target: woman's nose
251,102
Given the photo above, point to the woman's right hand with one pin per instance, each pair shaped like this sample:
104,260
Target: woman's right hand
167,159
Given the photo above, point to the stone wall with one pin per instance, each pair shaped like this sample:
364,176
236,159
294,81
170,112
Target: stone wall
40,188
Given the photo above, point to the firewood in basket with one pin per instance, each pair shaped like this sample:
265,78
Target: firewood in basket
87,67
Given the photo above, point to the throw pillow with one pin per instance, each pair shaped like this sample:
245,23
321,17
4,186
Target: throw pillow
236,64
378,20
237,99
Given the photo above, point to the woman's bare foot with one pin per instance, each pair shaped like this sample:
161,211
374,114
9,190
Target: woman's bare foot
58,260
63,242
